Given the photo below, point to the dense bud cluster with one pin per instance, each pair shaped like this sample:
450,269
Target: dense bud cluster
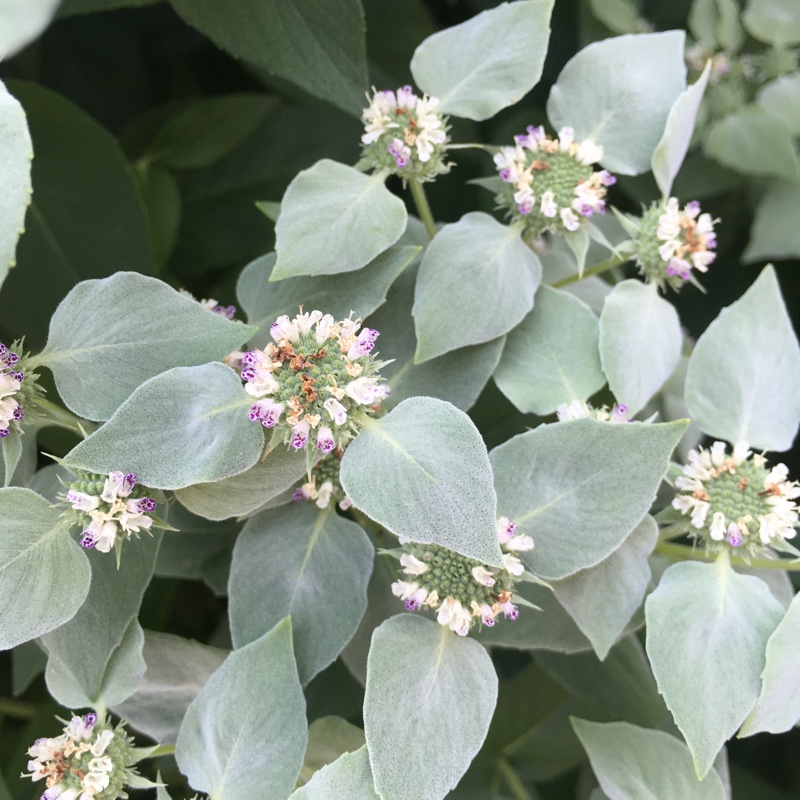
324,487
18,389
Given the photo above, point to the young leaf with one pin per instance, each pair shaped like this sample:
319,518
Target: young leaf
488,62
743,380
429,700
349,776
632,762
476,282
428,451
776,22
44,575
335,219
318,565
580,487
707,627
774,234
625,110
551,357
244,735
109,336
188,425
640,342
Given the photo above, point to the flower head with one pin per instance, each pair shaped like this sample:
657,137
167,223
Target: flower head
550,184
405,134
462,589
324,486
210,304
579,410
19,390
735,500
316,383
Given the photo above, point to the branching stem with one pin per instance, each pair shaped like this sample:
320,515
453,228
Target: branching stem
603,266
683,552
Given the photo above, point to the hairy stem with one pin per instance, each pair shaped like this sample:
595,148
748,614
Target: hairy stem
421,201
512,780
683,552
603,266
16,708
162,750
56,415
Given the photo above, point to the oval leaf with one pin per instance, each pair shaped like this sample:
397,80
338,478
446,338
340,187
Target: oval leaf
476,282
188,425
640,342
551,357
580,487
774,233
44,575
425,685
707,627
625,110
488,62
776,22
782,99
428,451
335,219
244,735
22,22
319,563
349,776
743,380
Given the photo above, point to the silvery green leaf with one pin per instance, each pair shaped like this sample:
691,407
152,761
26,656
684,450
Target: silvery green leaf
28,661
743,381
776,22
242,494
335,219
109,336
781,98
778,706
707,628
188,425
44,575
177,669
557,265
619,16
702,22
328,738
632,763
457,376
90,648
778,580
15,180
318,564
671,150
429,451
716,22
349,776
21,21
753,141
602,599
774,234
625,110
640,342
429,700
362,291
476,282
580,487
244,735
488,62
551,357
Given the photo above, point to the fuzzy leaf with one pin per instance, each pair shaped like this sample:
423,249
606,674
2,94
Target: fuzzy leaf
774,233
328,738
21,21
776,22
349,776
781,98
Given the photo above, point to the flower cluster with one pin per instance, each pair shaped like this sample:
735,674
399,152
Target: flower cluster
324,485
228,312
736,499
550,184
318,375
579,410
670,242
405,134
88,761
462,589
16,392
109,508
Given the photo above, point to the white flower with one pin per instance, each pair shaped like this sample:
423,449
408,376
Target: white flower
566,136
102,742
570,219
589,152
324,495
412,565
82,502
362,390
483,576
337,412
548,206
513,565
520,543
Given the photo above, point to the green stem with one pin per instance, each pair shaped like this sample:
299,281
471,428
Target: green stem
421,201
16,708
683,552
162,750
471,146
603,266
671,531
512,779
56,415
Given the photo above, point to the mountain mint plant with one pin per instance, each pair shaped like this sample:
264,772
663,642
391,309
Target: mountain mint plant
319,598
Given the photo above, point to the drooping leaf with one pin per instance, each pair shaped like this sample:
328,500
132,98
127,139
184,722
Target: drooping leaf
109,336
316,44
349,776
707,628
640,342
21,21
244,735
335,219
625,110
776,22
188,425
44,575
580,487
774,234
551,357
425,685
319,563
430,451
476,282
488,62
743,380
